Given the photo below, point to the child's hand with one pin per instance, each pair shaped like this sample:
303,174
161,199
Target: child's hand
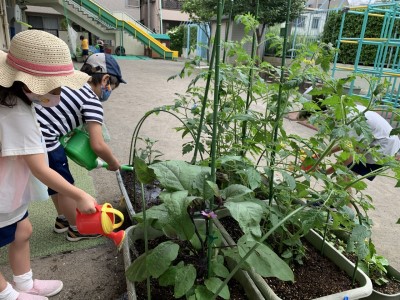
114,166
86,204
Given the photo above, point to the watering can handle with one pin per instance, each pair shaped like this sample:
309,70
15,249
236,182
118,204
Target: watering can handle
115,212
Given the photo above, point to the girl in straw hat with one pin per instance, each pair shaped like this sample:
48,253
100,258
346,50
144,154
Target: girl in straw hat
78,107
33,70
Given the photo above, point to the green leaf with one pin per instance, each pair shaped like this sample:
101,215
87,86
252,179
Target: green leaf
359,185
253,177
168,277
219,269
312,218
187,148
243,117
215,188
184,280
202,293
178,217
159,259
213,284
320,91
265,261
137,271
289,179
181,176
248,215
155,212
395,131
235,191
358,241
143,172
398,221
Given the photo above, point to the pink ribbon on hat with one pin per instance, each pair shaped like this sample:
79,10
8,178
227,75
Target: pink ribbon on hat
39,70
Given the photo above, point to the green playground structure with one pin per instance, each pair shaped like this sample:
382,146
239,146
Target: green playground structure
387,60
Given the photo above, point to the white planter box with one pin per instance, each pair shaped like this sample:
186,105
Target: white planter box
380,296
330,252
132,234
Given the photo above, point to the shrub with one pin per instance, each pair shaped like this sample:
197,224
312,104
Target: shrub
178,36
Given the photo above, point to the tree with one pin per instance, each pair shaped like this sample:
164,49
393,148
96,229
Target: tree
270,12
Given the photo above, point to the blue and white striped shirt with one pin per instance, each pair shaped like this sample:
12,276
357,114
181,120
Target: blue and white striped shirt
75,108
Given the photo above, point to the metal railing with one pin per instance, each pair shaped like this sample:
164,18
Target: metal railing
87,12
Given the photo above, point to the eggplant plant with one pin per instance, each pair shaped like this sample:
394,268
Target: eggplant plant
181,261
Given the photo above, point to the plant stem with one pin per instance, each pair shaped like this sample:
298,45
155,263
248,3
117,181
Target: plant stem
146,241
373,173
354,273
278,108
325,153
203,107
227,30
215,126
325,231
196,231
250,84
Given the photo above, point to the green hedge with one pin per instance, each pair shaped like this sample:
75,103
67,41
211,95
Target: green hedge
352,29
178,36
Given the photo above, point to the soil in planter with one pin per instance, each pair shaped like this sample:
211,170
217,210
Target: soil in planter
133,188
166,293
317,277
390,288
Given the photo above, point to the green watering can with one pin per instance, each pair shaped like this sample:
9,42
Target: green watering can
77,147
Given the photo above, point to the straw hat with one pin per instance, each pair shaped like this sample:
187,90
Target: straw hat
40,60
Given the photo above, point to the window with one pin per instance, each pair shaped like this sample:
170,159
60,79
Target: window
172,4
132,3
315,23
300,22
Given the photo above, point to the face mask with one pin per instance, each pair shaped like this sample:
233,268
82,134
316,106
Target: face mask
105,93
47,100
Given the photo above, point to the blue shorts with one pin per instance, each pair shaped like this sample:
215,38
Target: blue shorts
7,234
58,162
362,170
85,52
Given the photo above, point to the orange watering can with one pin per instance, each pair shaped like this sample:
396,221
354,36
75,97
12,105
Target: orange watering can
102,222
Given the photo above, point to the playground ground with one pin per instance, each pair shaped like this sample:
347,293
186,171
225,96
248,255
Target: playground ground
98,272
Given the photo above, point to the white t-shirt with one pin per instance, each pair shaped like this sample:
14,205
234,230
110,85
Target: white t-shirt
380,129
19,135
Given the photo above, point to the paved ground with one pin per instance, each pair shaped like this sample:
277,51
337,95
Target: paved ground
99,270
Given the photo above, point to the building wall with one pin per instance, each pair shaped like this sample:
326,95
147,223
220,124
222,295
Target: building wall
127,6
174,15
167,15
